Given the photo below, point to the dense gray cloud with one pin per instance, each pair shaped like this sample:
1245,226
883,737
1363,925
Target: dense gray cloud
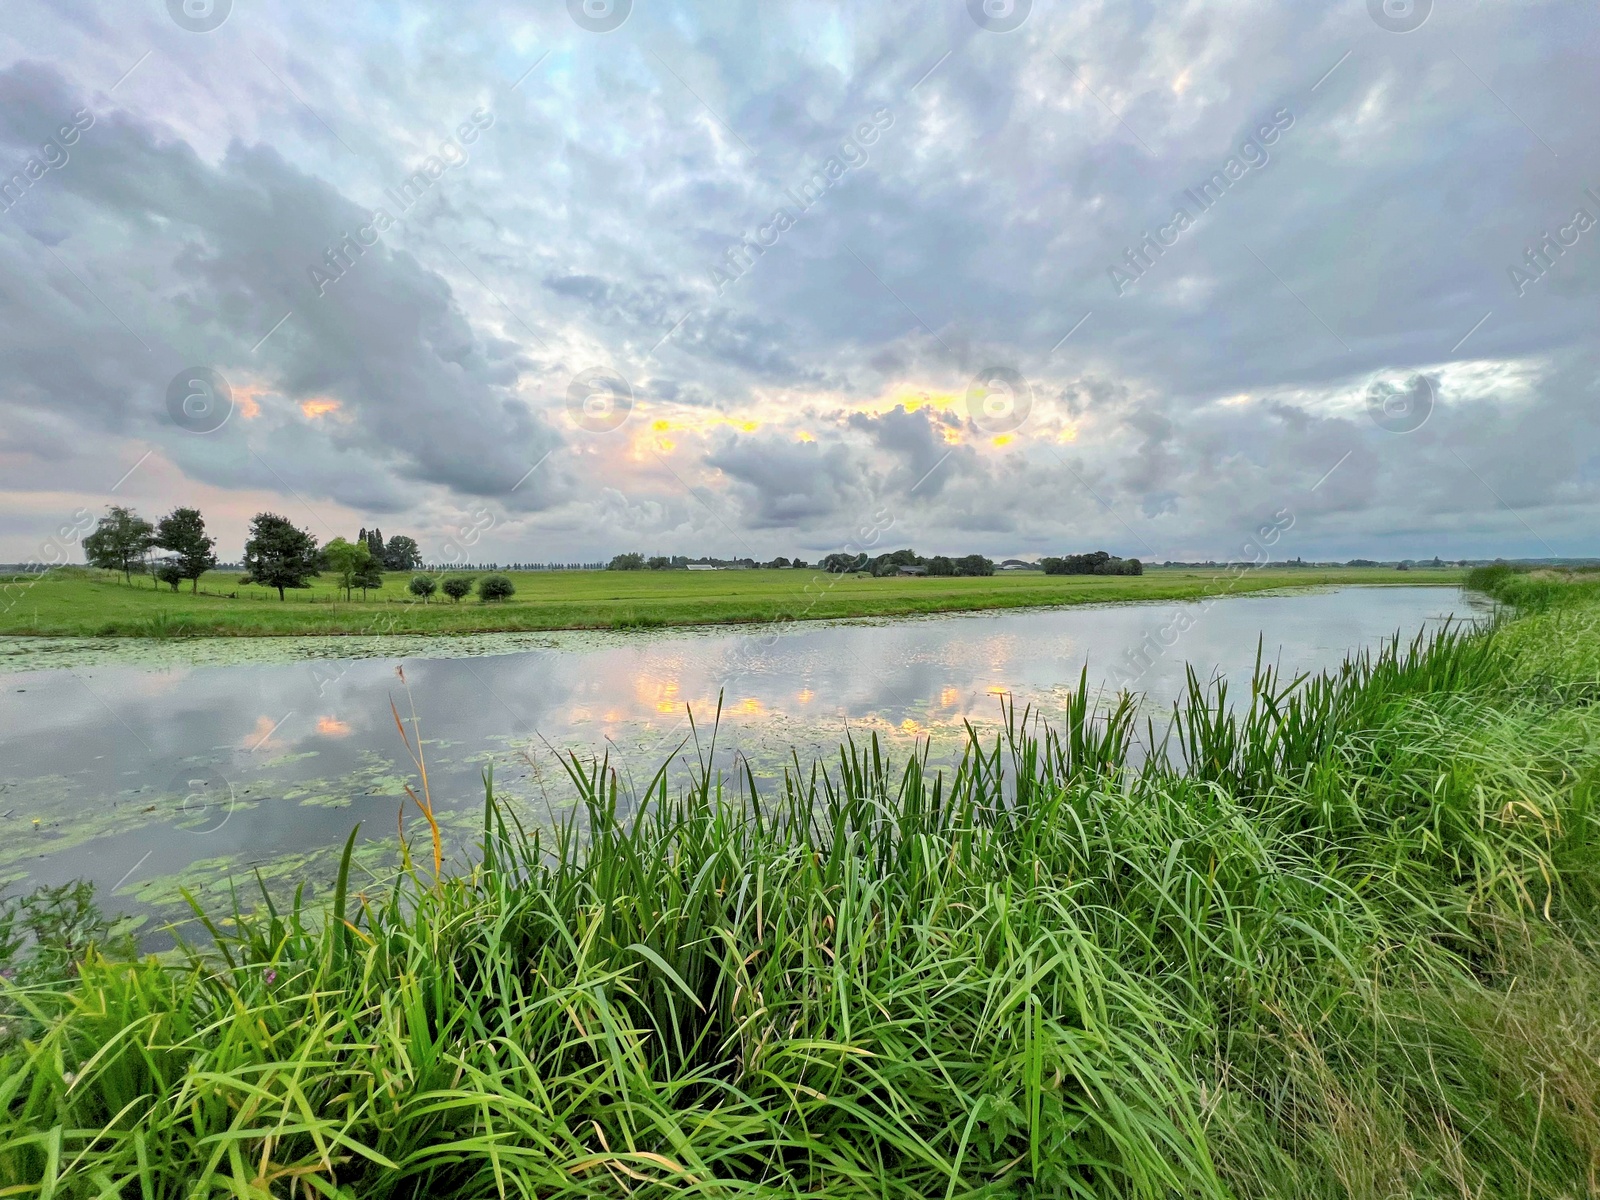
1207,236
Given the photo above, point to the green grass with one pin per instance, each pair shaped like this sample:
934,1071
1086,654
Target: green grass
1535,589
1337,939
83,602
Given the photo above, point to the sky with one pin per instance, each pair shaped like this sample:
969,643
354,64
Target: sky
553,282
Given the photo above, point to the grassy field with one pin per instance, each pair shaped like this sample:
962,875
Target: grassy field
82,602
1342,940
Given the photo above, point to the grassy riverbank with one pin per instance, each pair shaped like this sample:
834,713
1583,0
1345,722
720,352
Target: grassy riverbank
1340,941
85,603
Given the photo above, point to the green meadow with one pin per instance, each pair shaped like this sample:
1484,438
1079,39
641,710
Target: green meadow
1311,937
80,601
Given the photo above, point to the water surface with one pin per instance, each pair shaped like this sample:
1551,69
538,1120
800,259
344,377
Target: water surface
144,774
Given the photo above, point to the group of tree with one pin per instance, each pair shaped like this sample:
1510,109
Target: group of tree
354,564
458,587
122,541
277,554
1097,562
399,553
895,560
967,564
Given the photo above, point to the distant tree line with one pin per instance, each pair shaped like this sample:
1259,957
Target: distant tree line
279,555
1097,562
660,562
896,561
838,563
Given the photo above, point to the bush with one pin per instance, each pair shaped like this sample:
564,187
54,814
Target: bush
495,587
626,562
1489,578
457,587
170,573
423,585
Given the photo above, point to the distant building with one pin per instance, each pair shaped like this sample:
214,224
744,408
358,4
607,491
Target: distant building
702,567
911,571
1018,564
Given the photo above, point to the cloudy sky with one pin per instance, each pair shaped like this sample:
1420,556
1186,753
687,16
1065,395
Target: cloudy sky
764,278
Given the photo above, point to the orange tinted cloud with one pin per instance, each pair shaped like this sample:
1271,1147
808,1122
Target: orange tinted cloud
318,406
260,738
332,727
247,400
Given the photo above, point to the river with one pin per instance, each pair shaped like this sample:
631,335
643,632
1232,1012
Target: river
146,766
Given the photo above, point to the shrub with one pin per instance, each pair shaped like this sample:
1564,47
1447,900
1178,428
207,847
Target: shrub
423,585
626,562
457,586
1489,578
495,587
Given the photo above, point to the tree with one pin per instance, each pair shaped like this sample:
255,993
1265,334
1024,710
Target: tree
974,564
170,572
495,587
423,586
939,564
659,562
1075,564
183,531
402,554
838,564
345,560
278,555
627,562
119,540
369,574
1120,566
889,564
458,586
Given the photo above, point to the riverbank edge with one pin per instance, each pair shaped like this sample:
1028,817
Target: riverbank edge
25,653
163,628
